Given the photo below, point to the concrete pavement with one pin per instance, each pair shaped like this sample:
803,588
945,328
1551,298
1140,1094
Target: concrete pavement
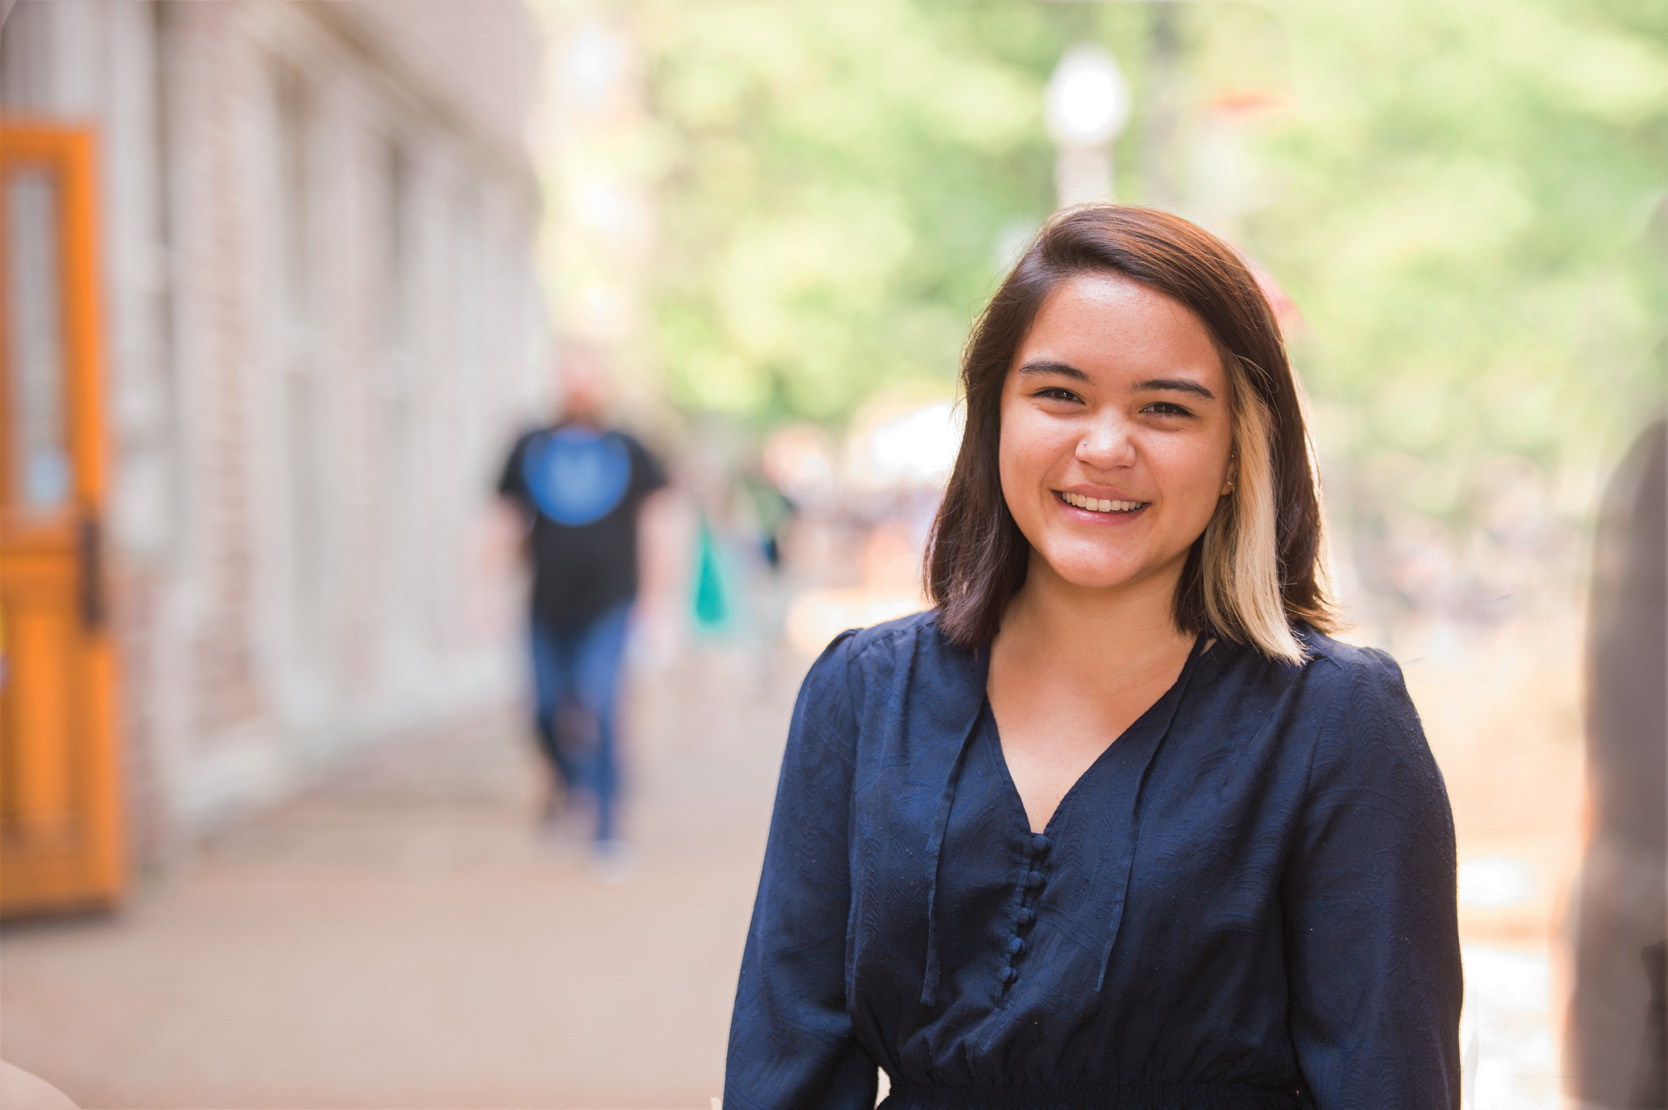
400,936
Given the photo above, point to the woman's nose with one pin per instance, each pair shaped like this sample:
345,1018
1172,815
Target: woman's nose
1106,444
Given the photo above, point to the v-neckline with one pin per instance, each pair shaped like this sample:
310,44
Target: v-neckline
1201,644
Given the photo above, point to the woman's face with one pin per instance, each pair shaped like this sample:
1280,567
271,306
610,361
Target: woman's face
1116,434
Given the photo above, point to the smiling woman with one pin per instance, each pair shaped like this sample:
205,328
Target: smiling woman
1115,436
1246,579
1116,824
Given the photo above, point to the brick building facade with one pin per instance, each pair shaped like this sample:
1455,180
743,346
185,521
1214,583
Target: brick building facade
321,326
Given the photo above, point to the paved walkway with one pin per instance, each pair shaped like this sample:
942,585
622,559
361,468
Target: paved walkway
400,937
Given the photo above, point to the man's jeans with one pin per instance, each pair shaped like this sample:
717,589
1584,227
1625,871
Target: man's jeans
576,677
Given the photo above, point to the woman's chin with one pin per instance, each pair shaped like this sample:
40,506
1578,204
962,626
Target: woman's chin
1092,578
1095,574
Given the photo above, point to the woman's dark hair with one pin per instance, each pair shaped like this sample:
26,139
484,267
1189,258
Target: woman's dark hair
1257,569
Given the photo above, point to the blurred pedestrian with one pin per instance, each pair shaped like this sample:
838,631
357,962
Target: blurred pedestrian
581,486
1615,1039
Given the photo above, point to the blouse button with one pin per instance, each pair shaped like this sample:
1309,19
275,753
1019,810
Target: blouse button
1039,844
1016,947
1006,976
1033,879
1026,916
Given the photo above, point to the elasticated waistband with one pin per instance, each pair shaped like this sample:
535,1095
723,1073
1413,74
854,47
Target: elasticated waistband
1122,1096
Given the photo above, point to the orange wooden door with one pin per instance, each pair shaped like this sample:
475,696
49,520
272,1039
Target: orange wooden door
60,824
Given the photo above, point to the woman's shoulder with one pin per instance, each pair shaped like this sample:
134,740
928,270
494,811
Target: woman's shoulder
864,670
896,653
885,645
1361,701
1329,670
1340,693
1332,661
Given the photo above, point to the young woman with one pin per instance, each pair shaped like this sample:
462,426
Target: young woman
1115,824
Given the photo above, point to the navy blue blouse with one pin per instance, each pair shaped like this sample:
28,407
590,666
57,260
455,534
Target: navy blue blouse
1246,901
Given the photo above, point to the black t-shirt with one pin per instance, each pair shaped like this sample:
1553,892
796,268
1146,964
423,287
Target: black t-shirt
582,487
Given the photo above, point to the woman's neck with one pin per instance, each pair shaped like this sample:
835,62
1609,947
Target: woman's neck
1093,635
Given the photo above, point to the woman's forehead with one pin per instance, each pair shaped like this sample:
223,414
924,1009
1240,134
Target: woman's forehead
1102,325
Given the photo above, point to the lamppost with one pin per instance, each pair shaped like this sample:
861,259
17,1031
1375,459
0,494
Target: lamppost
1085,107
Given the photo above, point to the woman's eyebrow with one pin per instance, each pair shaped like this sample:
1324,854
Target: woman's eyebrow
1045,366
1175,385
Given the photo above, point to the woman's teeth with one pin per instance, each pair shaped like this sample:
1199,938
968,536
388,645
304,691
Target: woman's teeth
1100,504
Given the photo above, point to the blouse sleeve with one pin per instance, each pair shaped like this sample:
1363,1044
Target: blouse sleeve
1372,938
790,1037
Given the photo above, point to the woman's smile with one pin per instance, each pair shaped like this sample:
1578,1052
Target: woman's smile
1100,505
1115,434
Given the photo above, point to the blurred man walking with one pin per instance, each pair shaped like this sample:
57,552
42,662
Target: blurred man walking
580,486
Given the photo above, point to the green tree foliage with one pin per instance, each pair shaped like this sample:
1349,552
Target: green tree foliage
1468,189
838,179
1458,197
1458,194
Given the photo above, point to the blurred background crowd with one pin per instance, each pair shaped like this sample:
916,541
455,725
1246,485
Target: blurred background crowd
282,283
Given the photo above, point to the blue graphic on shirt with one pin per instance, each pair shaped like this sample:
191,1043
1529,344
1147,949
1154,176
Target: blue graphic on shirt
576,476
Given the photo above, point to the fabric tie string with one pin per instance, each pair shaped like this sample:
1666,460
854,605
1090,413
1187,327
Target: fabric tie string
935,846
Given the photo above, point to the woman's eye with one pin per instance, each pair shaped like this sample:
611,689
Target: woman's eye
1167,408
1055,393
